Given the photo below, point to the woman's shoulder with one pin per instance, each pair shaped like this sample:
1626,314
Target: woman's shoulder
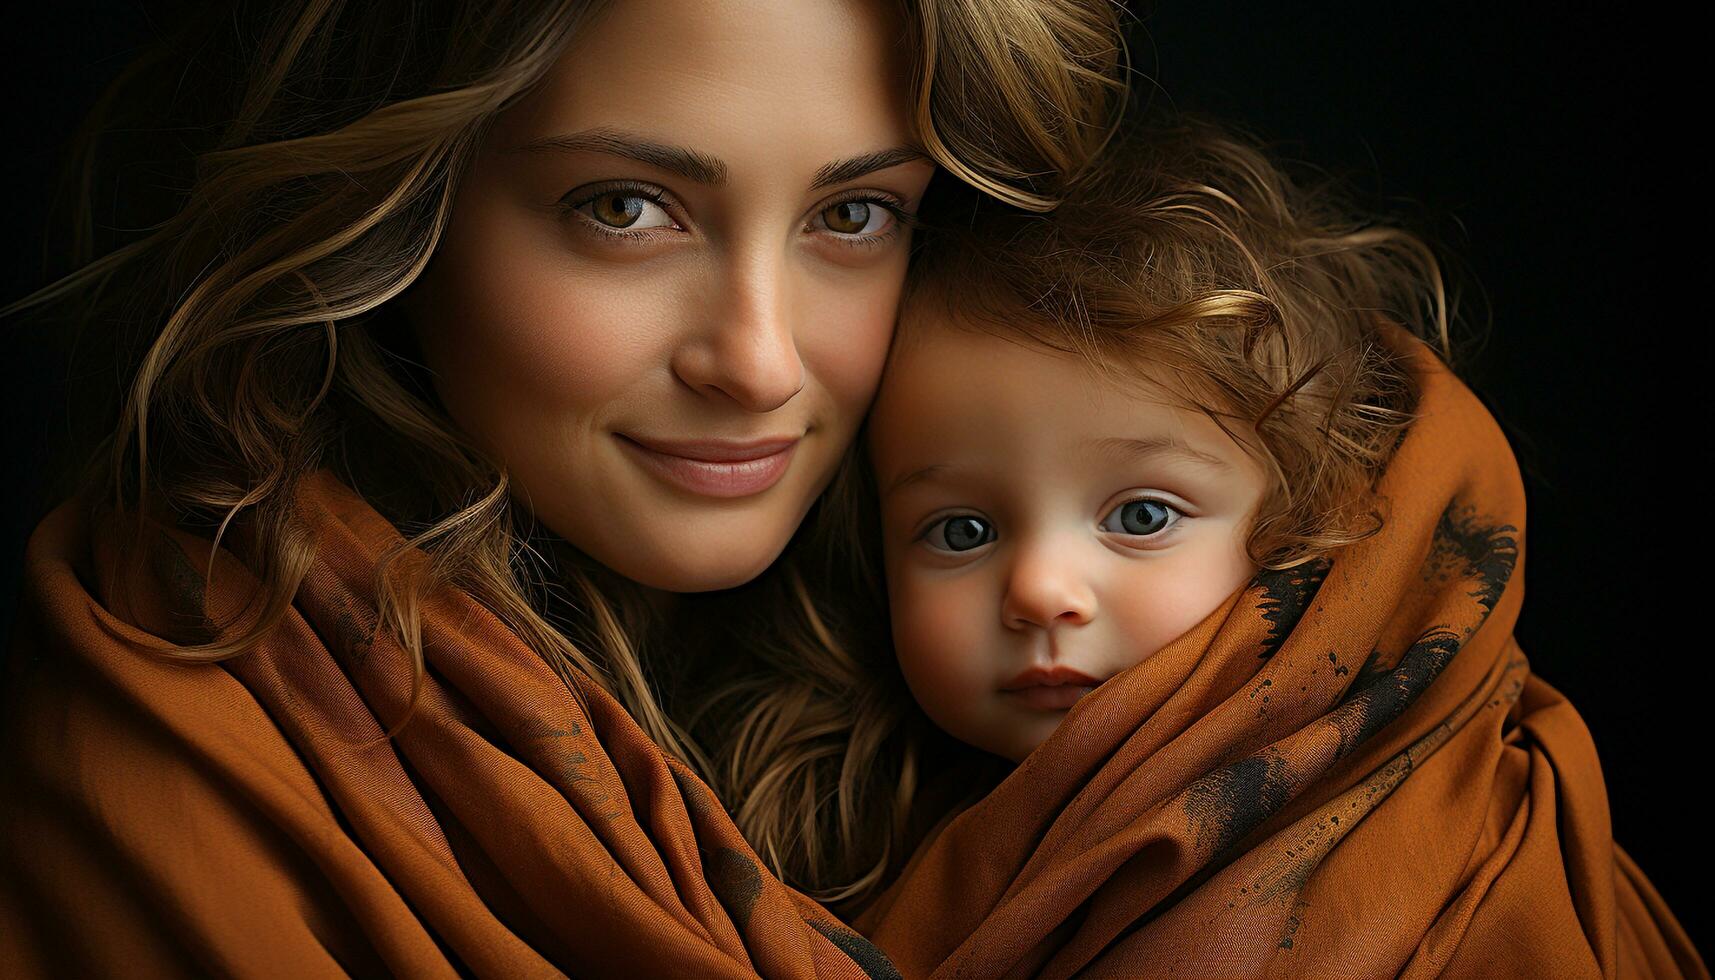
95,702
138,795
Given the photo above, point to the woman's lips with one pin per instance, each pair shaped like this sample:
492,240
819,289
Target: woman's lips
714,468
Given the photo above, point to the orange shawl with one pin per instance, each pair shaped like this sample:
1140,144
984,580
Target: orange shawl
1347,770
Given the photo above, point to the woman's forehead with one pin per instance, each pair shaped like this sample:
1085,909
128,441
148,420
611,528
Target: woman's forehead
759,86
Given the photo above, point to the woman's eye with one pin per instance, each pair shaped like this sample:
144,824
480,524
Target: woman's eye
958,534
1141,517
622,208
618,209
857,218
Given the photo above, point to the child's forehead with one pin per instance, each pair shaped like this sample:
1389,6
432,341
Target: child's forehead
972,386
970,361
986,414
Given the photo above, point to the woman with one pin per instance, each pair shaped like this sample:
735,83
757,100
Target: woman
483,336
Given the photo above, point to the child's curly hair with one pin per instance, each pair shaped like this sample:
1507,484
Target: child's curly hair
1189,261
1186,257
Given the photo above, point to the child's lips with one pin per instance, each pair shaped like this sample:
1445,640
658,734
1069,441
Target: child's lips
1055,676
1050,688
1050,698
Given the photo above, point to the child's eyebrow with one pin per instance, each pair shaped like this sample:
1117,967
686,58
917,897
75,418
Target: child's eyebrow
1133,450
915,476
1151,447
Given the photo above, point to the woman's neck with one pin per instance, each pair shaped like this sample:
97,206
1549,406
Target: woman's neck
663,603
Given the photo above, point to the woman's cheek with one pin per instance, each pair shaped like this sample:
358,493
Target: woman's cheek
588,342
848,335
564,333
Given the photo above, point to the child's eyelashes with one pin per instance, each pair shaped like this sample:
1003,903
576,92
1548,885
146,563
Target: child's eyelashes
1142,518
959,533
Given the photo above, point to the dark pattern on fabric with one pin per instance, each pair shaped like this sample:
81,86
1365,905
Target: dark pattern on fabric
863,952
736,881
1367,709
1226,804
1465,546
1287,593
183,586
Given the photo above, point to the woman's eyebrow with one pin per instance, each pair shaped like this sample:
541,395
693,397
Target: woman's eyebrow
690,164
843,170
701,167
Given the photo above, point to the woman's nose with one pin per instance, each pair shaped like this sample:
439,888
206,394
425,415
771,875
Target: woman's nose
1046,589
745,350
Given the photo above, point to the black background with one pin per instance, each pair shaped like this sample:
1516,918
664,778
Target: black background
1520,143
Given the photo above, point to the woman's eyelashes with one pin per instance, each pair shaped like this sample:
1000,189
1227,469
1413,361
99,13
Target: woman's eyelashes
1145,518
621,209
862,218
629,210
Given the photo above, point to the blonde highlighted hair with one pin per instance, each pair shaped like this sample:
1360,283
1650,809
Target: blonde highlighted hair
1185,257
315,151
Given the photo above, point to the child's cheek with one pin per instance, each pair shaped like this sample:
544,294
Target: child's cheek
1162,601
944,640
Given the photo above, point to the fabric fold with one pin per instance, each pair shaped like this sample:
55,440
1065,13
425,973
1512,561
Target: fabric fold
255,822
1346,770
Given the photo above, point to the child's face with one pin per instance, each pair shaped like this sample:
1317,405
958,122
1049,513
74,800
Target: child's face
1043,529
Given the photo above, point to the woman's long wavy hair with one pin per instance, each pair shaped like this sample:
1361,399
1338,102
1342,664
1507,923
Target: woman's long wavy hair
313,151
1186,259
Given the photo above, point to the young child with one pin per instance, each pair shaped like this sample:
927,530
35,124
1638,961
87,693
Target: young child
1096,425
1172,687
1044,528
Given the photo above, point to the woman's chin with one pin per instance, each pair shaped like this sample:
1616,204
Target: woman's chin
706,567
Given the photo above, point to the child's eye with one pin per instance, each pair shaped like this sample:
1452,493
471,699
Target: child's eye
958,534
1141,517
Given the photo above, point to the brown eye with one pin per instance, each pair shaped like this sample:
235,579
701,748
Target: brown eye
847,217
621,208
869,219
617,210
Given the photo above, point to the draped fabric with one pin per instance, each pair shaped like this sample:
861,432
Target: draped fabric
1347,770
243,818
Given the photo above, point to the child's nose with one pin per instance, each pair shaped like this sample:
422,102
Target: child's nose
1047,590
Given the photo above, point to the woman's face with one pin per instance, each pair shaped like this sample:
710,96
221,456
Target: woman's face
670,277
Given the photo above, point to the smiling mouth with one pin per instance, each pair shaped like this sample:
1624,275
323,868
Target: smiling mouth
715,469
